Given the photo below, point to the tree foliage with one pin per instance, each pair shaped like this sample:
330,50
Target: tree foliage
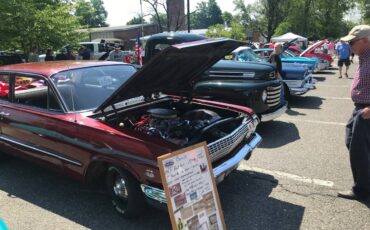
310,18
32,23
91,13
235,31
136,20
364,6
206,14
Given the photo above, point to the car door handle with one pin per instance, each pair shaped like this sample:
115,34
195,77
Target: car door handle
4,114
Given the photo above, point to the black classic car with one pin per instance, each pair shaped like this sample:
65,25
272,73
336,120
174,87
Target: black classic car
249,84
7,58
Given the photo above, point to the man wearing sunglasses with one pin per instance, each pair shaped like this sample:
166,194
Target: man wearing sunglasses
358,126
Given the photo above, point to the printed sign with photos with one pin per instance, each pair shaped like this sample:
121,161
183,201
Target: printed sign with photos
191,192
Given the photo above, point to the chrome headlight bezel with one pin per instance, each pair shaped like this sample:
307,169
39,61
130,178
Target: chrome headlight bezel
264,95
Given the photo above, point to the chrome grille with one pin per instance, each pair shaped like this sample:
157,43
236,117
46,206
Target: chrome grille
225,145
273,96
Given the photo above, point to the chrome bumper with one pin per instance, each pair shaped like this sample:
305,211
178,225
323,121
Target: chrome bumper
296,88
273,115
219,172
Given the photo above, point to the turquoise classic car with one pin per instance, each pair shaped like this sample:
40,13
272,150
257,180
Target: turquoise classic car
313,64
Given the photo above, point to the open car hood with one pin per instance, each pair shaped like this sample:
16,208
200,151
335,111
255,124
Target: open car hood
312,48
289,43
172,70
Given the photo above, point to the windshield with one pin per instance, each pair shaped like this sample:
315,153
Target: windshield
87,88
247,55
290,53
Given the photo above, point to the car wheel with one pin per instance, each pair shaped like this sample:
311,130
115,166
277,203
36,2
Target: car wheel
125,193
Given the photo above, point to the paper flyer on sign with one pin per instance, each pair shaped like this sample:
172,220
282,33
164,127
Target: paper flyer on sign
191,191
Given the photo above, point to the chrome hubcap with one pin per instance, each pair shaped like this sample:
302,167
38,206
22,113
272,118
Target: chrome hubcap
120,188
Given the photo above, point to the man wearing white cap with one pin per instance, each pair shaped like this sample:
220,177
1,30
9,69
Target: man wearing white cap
358,126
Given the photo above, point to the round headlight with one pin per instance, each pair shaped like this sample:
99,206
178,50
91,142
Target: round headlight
264,96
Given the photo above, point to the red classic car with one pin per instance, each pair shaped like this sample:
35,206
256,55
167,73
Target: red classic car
103,122
311,52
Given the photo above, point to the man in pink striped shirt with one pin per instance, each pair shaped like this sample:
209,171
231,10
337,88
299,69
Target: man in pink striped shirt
358,126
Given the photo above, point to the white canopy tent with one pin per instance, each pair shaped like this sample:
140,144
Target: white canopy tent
288,37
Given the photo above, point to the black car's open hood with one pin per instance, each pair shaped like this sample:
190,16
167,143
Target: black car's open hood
173,70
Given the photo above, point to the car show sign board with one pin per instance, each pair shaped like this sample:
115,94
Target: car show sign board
190,187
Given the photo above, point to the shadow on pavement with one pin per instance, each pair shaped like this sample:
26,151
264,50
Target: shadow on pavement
320,79
326,73
244,197
246,201
277,133
305,102
69,199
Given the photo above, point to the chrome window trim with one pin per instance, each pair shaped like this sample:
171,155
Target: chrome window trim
48,153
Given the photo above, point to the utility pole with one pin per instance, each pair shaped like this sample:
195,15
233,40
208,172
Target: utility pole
188,16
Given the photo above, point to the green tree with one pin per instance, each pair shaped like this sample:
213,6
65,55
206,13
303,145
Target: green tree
29,23
160,19
91,13
235,31
364,6
136,20
206,14
157,16
227,17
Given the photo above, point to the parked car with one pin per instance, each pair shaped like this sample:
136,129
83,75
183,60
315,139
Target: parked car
7,58
248,84
297,80
313,64
311,52
105,122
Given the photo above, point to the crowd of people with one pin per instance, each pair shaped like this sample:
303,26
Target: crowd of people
112,53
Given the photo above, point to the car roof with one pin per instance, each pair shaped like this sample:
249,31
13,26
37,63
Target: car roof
47,69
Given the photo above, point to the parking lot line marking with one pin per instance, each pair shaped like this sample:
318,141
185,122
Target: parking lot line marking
288,176
313,121
334,86
337,98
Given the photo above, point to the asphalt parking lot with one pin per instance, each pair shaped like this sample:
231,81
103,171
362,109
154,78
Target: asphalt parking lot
290,182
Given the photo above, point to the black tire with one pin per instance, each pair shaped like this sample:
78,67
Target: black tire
126,195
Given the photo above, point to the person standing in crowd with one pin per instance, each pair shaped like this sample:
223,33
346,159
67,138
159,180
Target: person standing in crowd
331,48
49,55
62,56
343,51
276,61
117,54
358,126
325,47
70,54
84,53
33,56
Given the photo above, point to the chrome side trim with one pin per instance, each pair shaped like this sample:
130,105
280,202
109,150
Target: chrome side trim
274,115
154,193
54,155
159,195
